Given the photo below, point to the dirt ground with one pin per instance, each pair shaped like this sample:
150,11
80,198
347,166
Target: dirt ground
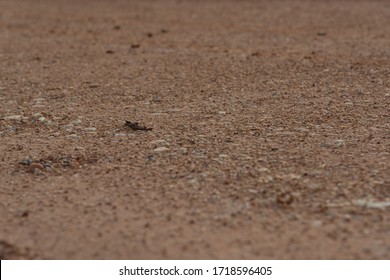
263,129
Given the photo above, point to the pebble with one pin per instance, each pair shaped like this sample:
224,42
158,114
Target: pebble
265,179
263,169
39,103
90,129
371,204
73,137
39,100
37,115
68,128
34,167
284,199
339,142
14,118
160,142
77,122
161,149
26,161
120,135
42,119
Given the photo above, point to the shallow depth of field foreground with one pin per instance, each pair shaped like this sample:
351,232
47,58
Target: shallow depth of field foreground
194,129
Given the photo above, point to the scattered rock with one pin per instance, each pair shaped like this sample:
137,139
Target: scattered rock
120,135
135,46
14,118
284,199
42,119
334,144
77,122
39,103
161,149
90,129
265,179
136,126
25,162
263,169
73,137
371,204
36,167
160,142
223,156
68,128
339,142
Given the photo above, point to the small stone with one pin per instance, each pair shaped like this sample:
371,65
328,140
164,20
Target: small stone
73,137
160,142
265,179
371,204
120,135
68,128
42,119
284,199
339,142
223,156
36,167
161,149
25,161
253,191
14,118
222,113
264,170
39,100
77,122
293,176
90,129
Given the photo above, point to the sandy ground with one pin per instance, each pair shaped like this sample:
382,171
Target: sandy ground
270,131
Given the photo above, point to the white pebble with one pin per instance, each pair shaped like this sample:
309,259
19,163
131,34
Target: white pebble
161,149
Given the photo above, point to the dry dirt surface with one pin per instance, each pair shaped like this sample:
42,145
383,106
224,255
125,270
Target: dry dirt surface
194,129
